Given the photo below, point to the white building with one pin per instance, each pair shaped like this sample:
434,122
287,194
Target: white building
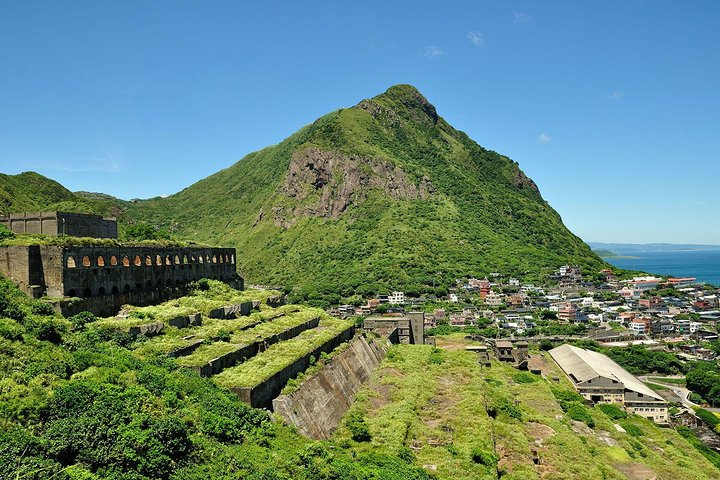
493,299
396,298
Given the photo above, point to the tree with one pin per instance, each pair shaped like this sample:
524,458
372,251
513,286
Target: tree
145,231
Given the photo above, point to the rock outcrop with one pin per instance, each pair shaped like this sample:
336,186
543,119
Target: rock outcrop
324,184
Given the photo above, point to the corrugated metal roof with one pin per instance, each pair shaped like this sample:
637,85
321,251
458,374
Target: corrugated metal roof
584,365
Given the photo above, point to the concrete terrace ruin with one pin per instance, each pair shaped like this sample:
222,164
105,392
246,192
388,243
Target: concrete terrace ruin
105,277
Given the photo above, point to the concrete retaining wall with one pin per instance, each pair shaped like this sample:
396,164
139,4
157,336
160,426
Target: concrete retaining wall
262,394
217,365
316,408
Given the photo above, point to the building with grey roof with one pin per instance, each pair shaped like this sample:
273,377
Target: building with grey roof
600,380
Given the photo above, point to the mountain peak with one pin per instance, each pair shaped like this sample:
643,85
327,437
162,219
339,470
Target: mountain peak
406,97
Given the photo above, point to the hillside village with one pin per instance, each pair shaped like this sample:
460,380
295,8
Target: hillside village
677,314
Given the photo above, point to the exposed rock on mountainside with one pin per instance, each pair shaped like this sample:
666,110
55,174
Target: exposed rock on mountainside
325,184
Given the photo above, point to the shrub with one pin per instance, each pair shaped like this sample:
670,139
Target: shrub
524,377
437,357
81,319
483,457
42,308
708,417
577,411
10,329
632,429
612,411
358,427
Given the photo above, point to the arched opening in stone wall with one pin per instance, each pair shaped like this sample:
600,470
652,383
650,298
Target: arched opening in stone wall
138,286
232,259
71,262
207,258
125,261
214,259
148,261
87,292
113,260
202,260
115,290
138,260
86,261
100,261
101,291
158,260
185,260
127,287
220,259
192,259
227,259
72,293
176,260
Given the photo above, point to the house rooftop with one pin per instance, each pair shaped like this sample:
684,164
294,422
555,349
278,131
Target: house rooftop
582,365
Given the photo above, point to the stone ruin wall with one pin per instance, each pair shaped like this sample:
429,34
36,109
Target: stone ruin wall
317,407
108,277
61,223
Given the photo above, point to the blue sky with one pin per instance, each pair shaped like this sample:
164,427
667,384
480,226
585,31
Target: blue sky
612,107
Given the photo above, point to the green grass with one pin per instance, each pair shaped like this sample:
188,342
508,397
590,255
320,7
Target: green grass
673,381
280,355
205,353
441,412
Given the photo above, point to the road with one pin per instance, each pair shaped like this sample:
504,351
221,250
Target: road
681,392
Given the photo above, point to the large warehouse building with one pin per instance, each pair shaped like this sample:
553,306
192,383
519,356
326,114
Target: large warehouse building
600,380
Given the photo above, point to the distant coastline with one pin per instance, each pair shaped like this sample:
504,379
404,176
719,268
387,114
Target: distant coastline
699,261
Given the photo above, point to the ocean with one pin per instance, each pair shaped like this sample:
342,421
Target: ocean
703,265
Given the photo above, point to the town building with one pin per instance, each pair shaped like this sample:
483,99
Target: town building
407,329
396,298
600,380
567,311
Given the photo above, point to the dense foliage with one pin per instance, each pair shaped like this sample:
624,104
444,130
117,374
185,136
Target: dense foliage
704,380
76,403
637,360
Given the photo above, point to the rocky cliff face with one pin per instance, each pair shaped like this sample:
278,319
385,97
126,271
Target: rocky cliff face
324,184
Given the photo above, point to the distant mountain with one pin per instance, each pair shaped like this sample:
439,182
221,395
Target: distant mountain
624,248
380,196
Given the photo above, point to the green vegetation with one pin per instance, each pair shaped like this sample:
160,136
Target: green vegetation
76,403
280,355
476,422
704,380
708,417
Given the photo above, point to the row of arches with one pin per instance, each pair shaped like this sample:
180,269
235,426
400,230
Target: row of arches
127,288
148,261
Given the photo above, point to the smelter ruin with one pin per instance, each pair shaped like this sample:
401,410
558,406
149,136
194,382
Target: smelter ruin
107,277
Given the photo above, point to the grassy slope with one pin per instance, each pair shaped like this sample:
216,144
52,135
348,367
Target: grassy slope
478,221
32,192
79,403
415,399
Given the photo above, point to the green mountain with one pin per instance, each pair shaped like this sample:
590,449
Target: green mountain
32,192
382,195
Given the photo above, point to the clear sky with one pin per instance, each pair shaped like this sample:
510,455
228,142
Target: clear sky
612,107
